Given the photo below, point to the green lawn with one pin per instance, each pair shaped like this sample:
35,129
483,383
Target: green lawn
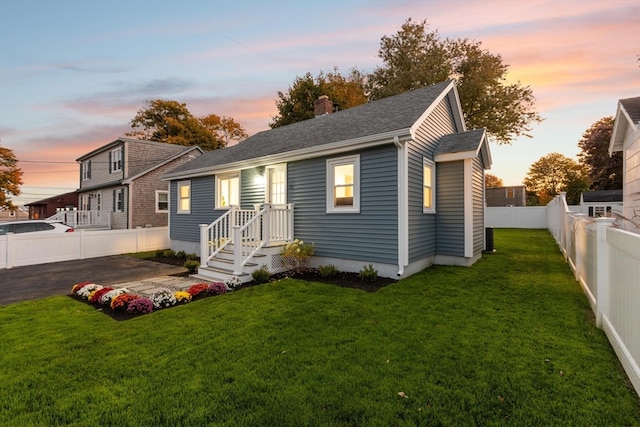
509,341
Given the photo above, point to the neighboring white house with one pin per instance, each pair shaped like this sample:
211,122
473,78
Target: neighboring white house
626,138
601,203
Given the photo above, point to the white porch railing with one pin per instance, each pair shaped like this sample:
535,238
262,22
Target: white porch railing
606,262
79,219
248,231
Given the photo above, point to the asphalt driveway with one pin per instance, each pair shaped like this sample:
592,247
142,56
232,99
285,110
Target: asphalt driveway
43,280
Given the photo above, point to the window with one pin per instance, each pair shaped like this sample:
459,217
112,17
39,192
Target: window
428,186
343,184
118,200
115,160
227,191
510,193
85,202
184,197
162,201
85,170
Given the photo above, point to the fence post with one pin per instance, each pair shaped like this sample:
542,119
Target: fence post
11,247
290,225
266,225
602,268
578,244
204,244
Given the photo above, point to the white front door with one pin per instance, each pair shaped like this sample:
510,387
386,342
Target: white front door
276,188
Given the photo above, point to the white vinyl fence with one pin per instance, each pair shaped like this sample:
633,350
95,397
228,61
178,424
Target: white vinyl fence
516,217
40,248
606,262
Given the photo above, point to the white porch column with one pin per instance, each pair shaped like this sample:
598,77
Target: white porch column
602,268
265,235
204,244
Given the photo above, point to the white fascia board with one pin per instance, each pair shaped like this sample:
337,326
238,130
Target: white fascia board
619,130
302,154
445,92
451,157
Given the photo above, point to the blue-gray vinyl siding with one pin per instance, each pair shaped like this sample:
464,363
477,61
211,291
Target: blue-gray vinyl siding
478,205
368,236
186,227
422,227
450,205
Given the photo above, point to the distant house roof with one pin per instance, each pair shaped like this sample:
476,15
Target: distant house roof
383,118
627,115
177,148
58,197
612,196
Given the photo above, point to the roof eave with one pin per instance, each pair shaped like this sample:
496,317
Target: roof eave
302,154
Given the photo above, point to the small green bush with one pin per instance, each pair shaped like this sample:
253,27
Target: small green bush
328,270
159,253
193,257
191,265
368,273
169,253
262,274
181,254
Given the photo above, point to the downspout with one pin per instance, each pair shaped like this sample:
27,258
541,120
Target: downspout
402,206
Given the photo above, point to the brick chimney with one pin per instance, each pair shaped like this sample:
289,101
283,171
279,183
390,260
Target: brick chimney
322,106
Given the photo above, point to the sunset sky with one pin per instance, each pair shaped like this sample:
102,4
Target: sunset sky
74,73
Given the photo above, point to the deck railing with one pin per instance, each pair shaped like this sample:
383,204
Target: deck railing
80,219
248,230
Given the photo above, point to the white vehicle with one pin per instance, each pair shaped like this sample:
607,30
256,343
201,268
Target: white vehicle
33,226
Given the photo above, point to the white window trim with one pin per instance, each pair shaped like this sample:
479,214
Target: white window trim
331,164
113,156
158,193
179,185
119,193
86,171
426,163
219,178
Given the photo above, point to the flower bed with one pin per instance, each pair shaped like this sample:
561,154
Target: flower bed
122,304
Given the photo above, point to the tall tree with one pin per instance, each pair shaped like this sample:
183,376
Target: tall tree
10,178
224,128
555,173
605,171
297,104
171,122
492,181
415,57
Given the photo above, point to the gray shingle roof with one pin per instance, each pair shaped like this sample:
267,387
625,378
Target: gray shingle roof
632,107
602,196
376,117
459,142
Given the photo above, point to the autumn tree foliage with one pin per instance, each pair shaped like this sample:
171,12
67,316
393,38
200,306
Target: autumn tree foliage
10,178
415,57
556,173
492,181
171,122
605,171
297,104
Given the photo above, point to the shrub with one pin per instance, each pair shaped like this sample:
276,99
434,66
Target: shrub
159,253
169,253
217,288
262,274
328,270
191,265
298,252
193,257
121,302
182,297
162,298
140,305
198,289
181,254
368,273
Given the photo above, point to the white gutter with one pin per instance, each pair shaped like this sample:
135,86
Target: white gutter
403,235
